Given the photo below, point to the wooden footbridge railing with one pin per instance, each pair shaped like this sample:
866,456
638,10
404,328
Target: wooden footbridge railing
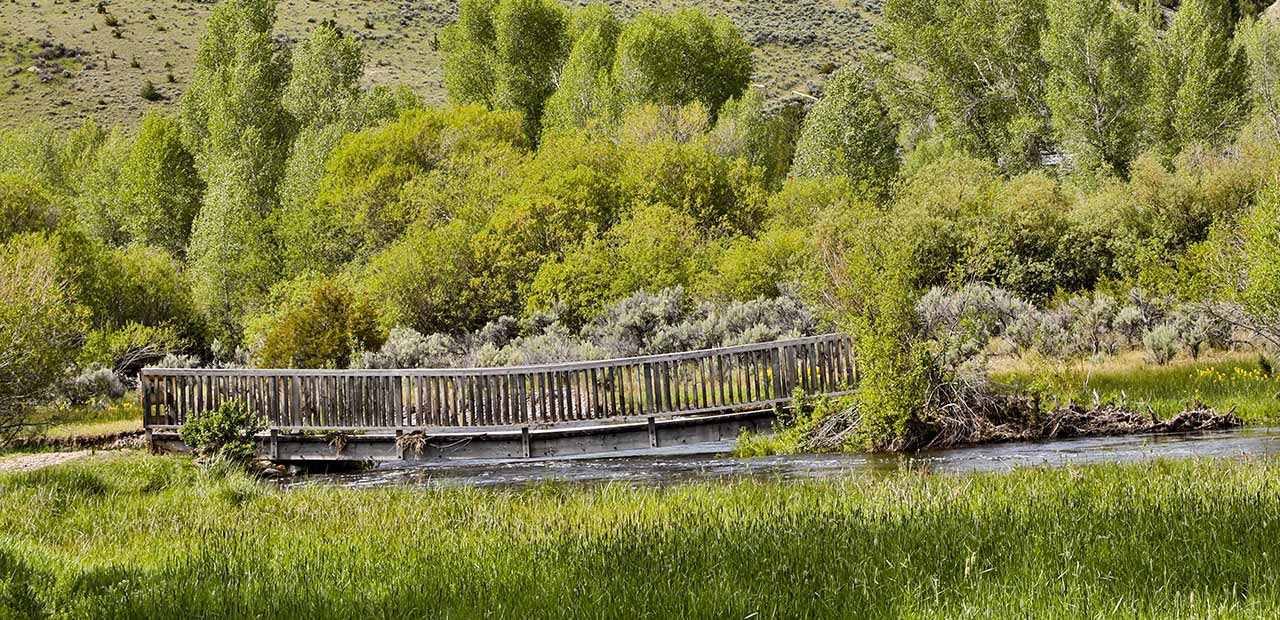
710,381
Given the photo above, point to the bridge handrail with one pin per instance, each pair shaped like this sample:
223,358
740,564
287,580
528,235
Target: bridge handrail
483,370
684,383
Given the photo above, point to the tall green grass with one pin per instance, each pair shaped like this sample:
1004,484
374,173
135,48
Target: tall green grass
56,422
136,536
1231,382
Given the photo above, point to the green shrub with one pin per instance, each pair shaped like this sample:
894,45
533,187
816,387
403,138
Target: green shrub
1161,343
158,188
655,247
225,433
775,262
849,133
875,281
681,57
1260,234
437,262
360,205
40,326
319,324
127,349
24,207
722,194
794,427
149,92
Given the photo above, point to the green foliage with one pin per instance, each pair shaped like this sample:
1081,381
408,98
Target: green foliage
779,260
585,91
233,258
315,323
942,208
531,43
48,158
97,205
40,324
1167,213
127,349
1097,70
725,195
506,54
973,67
875,277
137,283
849,133
1199,79
655,247
679,58
360,207
745,130
1026,245
1260,231
1260,40
24,207
440,263
324,80
232,108
159,189
236,126
225,433
794,426
470,60
647,123
300,224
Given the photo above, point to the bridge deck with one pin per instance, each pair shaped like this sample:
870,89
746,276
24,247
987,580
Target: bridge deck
607,398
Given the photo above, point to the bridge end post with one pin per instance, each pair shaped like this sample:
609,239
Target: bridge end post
653,432
526,449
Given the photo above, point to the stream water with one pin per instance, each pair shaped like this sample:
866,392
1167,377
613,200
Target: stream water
713,462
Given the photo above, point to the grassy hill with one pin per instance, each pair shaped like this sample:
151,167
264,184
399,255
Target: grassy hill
64,60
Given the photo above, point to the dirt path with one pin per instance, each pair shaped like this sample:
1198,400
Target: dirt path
31,462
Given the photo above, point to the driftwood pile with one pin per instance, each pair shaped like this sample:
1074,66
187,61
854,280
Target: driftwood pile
974,413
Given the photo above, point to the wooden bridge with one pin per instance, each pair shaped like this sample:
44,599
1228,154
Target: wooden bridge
510,412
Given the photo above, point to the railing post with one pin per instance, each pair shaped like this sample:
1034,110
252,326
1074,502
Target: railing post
143,393
779,386
647,387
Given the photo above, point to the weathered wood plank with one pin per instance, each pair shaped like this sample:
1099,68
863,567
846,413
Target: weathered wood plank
728,378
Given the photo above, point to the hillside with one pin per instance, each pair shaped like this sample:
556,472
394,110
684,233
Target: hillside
65,60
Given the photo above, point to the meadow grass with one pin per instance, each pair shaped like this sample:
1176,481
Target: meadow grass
1224,381
123,414
140,536
60,422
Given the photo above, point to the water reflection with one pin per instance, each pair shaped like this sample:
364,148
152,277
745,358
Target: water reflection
712,462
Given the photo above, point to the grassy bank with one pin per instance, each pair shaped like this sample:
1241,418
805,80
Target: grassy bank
59,424
135,536
122,415
1224,381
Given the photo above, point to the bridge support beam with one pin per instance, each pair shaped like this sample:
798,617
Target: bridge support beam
502,443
